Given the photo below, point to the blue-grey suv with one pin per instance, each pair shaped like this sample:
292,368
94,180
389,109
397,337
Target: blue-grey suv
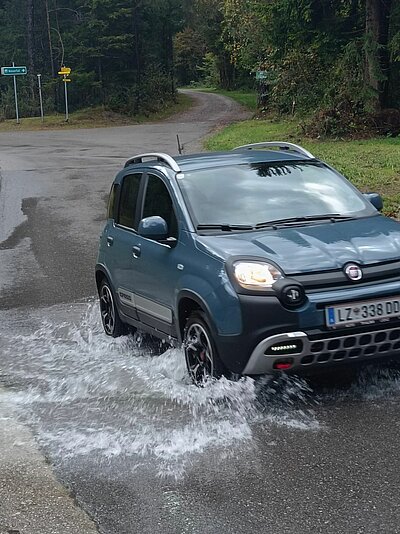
259,260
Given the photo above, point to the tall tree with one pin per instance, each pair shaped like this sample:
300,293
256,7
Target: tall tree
30,45
377,20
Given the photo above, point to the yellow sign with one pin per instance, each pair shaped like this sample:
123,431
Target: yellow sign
66,80
64,70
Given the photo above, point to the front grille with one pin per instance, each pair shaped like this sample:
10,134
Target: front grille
336,279
352,347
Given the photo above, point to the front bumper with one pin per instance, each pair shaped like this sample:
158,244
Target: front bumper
267,322
319,352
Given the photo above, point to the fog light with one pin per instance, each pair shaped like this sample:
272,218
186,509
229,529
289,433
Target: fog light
283,365
286,347
293,295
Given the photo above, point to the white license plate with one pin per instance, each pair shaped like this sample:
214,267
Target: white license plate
359,312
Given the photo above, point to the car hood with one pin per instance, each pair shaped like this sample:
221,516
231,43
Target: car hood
316,247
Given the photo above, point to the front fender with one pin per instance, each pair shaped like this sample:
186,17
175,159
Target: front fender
221,303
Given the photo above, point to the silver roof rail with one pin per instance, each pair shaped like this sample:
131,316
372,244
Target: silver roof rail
159,156
282,145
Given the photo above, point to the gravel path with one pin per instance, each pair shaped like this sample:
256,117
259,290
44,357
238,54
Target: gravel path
217,110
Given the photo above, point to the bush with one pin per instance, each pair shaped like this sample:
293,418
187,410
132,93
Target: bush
299,84
154,93
347,108
209,71
343,119
348,119
386,122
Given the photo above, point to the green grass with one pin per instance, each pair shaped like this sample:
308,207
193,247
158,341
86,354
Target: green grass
372,164
93,118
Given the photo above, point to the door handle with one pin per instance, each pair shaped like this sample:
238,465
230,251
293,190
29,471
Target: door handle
110,241
136,251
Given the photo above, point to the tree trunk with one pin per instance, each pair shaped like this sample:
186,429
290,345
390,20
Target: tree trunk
51,57
30,46
169,50
377,33
385,54
226,71
136,27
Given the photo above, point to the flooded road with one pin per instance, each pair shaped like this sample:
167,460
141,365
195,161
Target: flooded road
140,448
87,393
143,449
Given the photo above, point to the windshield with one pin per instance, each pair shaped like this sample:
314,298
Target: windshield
263,192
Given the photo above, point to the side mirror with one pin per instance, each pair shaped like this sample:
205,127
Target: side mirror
153,228
375,199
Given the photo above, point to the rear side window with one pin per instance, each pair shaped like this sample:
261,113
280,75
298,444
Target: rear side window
128,200
158,202
111,202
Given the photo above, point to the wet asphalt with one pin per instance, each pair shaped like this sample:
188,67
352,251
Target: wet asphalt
140,449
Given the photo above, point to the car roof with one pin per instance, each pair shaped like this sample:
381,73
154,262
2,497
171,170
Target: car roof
215,159
219,159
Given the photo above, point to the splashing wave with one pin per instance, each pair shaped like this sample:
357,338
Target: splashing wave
87,394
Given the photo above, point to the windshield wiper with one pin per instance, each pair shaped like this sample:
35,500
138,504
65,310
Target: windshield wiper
306,218
225,227
270,224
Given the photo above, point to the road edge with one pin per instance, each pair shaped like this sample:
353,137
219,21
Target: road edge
32,500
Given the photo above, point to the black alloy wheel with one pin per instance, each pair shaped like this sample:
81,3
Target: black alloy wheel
202,360
112,324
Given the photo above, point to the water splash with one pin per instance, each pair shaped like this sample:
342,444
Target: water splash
87,394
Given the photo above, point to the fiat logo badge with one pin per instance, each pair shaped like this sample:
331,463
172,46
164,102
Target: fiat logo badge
353,272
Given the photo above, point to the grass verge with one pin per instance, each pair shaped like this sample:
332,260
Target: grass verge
372,164
94,118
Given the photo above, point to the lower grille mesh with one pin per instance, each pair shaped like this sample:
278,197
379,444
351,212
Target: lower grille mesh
352,347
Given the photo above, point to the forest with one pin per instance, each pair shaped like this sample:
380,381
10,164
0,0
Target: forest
335,60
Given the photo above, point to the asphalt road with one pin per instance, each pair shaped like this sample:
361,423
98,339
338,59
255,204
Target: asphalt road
141,450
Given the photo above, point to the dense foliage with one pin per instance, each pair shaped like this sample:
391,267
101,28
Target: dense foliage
120,52
339,59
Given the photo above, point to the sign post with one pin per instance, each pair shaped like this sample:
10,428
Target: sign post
65,72
39,76
263,79
16,99
14,72
66,102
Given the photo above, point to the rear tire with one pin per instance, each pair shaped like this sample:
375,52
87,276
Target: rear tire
112,324
202,360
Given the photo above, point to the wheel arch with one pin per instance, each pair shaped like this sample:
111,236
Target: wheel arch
101,274
188,302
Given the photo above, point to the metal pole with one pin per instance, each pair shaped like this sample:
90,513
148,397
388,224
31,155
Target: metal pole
66,100
40,96
16,97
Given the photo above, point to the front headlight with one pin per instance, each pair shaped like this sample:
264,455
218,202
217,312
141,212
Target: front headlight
256,275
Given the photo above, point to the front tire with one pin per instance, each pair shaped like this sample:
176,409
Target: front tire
201,355
112,324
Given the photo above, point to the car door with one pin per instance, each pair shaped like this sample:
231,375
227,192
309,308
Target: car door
123,242
157,269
